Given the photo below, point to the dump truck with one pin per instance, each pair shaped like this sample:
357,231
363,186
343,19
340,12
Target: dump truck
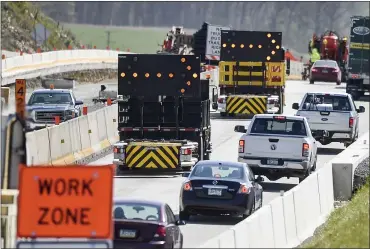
163,114
359,55
252,72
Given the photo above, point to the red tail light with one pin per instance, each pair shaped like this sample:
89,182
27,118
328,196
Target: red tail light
351,120
305,149
161,231
241,146
336,70
187,186
314,70
186,152
243,189
220,100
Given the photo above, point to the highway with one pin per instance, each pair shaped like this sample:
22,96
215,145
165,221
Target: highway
225,141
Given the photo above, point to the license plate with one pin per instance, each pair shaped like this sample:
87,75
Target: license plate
324,71
217,192
273,161
130,234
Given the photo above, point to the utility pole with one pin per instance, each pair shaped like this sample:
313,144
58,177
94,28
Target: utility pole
108,38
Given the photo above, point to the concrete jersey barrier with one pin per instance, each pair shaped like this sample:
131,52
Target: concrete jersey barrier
290,219
30,66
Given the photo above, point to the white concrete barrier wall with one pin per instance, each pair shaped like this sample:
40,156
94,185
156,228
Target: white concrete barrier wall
290,219
71,141
30,66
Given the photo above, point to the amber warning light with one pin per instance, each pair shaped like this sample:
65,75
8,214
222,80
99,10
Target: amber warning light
66,201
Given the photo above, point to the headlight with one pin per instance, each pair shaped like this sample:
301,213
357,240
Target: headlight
70,113
30,114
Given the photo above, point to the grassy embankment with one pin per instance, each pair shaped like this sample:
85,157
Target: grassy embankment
347,226
138,40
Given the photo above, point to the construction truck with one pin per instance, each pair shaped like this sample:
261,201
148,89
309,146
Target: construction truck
163,114
177,42
251,73
331,46
359,55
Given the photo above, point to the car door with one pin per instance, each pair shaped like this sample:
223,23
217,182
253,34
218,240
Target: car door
354,113
171,226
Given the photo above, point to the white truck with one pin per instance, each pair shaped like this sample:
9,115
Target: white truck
334,112
278,146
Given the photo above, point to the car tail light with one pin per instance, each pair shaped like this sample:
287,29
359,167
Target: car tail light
314,70
220,100
350,123
187,186
117,150
336,70
243,189
241,146
161,231
305,149
186,151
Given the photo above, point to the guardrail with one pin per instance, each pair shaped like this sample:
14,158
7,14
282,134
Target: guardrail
29,66
290,219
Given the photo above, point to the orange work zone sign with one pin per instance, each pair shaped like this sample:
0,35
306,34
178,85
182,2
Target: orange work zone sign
70,202
276,69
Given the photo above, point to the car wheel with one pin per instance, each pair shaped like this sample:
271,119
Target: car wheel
312,82
181,241
314,165
308,172
184,216
338,83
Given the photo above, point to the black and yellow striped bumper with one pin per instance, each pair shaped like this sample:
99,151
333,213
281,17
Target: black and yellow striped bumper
140,155
246,105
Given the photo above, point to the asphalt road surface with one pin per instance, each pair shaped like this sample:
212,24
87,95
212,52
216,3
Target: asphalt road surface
225,146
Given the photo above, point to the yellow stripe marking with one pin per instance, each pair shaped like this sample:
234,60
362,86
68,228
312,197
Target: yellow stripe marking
256,107
151,165
160,152
235,105
251,108
241,108
142,162
171,154
132,152
260,101
159,160
231,101
138,156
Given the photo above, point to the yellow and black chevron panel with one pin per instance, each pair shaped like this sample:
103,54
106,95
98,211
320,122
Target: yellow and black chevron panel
153,155
246,105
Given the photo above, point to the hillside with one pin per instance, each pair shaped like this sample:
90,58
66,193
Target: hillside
18,20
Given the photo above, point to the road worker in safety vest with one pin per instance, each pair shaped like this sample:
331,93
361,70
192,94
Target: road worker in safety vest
315,56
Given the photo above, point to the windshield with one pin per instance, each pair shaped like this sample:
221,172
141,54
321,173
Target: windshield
279,127
326,102
325,64
134,211
223,172
50,98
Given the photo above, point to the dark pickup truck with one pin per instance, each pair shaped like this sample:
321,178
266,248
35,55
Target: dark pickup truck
359,53
45,104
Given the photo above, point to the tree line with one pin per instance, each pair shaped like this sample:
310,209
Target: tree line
297,20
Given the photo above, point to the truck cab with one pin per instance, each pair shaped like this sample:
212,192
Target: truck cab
163,114
359,54
45,104
335,113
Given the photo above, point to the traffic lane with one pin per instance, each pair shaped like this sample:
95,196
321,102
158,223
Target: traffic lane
83,91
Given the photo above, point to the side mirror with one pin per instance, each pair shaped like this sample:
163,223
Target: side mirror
295,106
214,95
259,179
240,128
361,109
214,106
79,102
180,222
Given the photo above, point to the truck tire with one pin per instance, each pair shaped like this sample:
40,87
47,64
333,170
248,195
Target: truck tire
307,174
312,82
338,83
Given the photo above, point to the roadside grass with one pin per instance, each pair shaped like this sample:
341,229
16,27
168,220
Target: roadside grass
347,226
139,40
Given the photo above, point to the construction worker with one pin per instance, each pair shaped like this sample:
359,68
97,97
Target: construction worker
315,56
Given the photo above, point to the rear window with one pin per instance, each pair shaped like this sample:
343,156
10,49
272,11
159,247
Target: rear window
325,64
218,171
279,127
326,102
134,211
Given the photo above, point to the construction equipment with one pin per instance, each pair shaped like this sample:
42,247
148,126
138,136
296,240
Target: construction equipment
331,46
163,114
177,42
251,69
359,55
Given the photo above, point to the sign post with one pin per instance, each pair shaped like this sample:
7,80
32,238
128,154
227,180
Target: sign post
70,202
20,97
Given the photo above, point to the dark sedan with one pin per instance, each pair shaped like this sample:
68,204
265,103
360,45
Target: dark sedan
218,188
326,71
145,224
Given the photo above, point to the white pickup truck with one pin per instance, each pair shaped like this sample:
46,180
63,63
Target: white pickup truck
334,112
278,146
